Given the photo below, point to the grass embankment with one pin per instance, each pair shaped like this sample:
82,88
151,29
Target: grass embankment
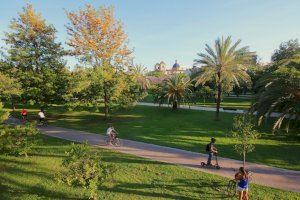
184,129
136,178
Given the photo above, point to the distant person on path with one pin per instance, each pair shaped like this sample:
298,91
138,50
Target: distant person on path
211,150
111,132
243,183
41,116
24,114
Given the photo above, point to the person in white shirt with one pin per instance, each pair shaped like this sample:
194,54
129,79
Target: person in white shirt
111,133
41,116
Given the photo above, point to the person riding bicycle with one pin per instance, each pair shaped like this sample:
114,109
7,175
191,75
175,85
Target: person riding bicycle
211,150
41,115
24,114
243,183
112,133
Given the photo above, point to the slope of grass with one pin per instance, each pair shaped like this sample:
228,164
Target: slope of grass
136,178
184,129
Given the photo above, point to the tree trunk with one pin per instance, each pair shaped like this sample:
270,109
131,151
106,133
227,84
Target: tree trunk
106,102
219,96
244,160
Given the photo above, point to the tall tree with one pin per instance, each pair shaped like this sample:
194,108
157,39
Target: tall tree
98,39
34,56
225,63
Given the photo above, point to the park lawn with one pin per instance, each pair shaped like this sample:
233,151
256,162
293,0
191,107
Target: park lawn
184,129
228,102
136,178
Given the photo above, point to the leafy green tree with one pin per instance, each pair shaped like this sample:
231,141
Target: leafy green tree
244,132
156,74
9,89
279,91
177,88
3,113
225,63
34,57
286,50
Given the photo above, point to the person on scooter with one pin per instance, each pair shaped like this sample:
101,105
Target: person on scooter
212,150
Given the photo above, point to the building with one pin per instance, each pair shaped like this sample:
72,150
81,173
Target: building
175,69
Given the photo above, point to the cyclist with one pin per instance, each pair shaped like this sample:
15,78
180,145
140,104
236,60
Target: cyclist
24,114
243,183
41,115
211,150
112,133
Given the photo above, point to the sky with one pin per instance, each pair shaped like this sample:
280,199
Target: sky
169,30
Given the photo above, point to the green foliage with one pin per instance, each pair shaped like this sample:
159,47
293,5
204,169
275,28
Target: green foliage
244,132
17,140
35,58
226,65
9,87
279,91
3,114
286,50
156,74
84,168
177,88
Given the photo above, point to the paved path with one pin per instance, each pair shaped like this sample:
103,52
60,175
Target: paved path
263,175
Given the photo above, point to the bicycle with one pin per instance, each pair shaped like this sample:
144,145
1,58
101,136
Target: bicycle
232,185
42,123
115,141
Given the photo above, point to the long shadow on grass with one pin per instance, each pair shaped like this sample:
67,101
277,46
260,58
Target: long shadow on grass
201,189
34,190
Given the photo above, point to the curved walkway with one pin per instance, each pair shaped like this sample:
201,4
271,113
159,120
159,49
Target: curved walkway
263,175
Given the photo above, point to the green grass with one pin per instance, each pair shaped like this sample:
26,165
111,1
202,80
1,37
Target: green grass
233,103
184,129
136,178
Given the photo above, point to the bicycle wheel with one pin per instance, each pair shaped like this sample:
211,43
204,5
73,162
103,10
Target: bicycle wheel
106,140
117,142
231,188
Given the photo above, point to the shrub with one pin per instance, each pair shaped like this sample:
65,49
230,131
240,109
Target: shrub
17,140
3,114
84,168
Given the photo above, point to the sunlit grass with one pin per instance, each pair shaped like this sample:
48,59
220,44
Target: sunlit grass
136,178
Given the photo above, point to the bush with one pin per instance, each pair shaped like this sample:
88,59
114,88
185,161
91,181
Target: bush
85,169
17,140
3,114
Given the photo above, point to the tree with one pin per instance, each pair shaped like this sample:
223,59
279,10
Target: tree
9,89
226,63
138,72
279,91
98,39
33,56
244,132
176,88
286,50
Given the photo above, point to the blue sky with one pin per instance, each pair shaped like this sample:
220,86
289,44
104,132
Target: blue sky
166,30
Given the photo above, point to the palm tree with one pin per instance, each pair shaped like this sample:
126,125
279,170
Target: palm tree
177,87
279,91
138,72
226,63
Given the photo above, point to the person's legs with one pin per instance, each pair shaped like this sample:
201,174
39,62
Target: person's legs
245,195
240,195
210,155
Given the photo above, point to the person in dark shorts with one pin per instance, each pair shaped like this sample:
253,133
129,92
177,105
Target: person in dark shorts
211,150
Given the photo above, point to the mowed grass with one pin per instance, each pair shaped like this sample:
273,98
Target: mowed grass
184,129
232,102
136,178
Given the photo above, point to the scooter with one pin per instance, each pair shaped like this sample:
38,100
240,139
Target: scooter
215,166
